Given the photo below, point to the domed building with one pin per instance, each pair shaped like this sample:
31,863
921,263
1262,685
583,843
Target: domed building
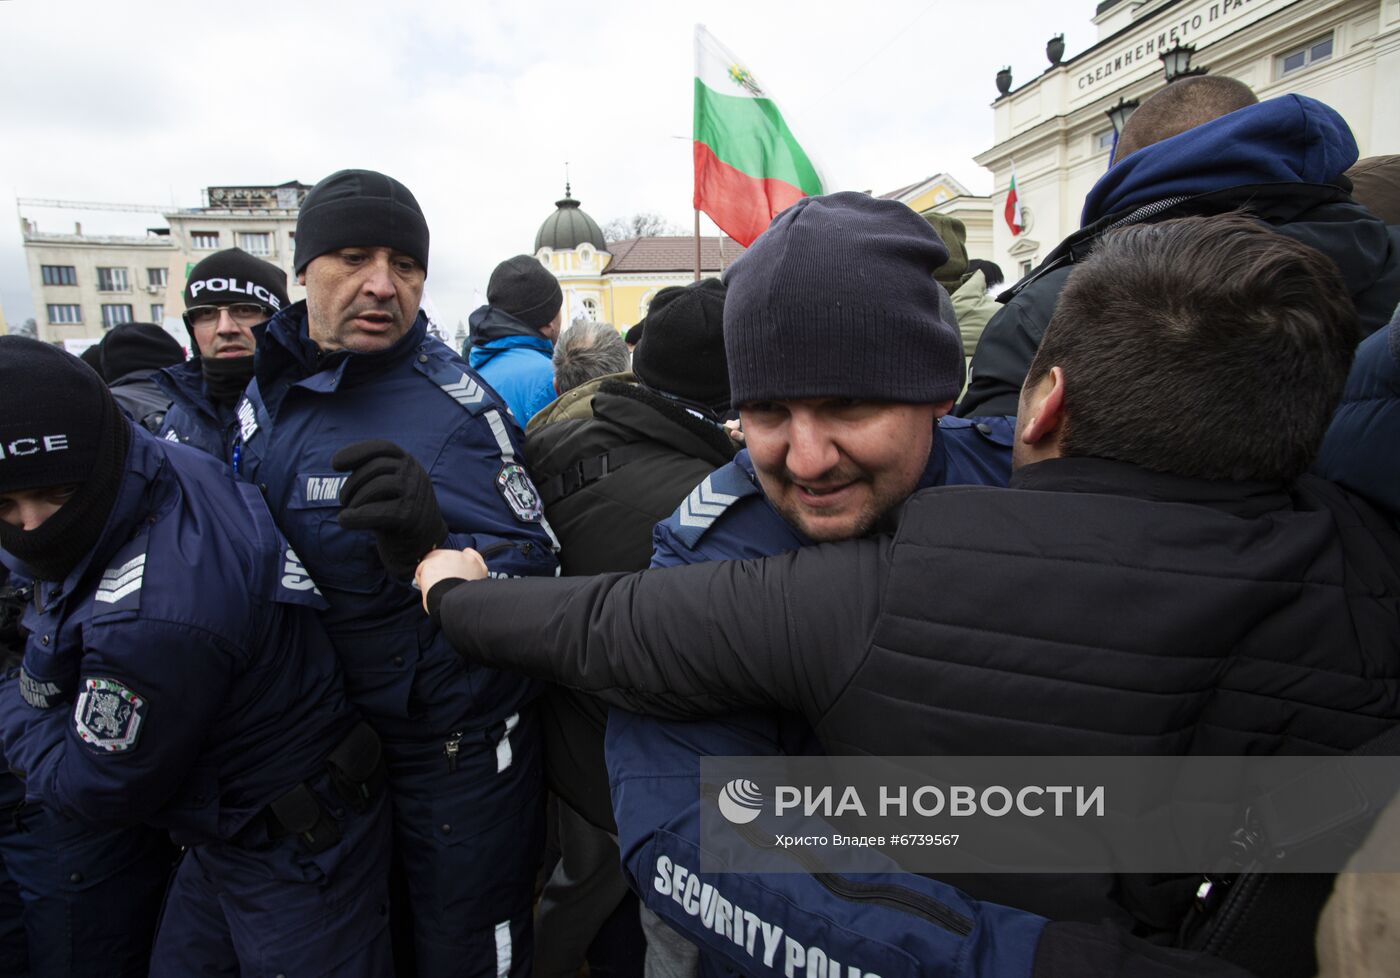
615,281
568,227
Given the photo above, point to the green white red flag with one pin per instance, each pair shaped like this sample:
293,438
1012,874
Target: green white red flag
748,166
1013,205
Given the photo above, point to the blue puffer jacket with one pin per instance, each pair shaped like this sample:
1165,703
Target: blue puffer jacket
302,408
1282,161
194,419
179,675
514,359
1362,448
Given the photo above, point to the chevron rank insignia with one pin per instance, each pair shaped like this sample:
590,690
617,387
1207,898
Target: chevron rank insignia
708,501
121,581
108,715
465,392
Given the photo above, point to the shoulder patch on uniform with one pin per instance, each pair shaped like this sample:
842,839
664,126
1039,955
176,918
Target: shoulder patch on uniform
107,715
709,500
519,492
121,581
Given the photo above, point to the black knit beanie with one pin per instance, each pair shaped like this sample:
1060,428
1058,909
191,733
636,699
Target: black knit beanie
136,346
681,352
233,275
58,426
837,299
359,209
525,289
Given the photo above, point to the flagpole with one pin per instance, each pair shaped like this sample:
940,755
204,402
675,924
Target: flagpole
697,244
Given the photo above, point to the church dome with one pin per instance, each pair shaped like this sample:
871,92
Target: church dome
568,227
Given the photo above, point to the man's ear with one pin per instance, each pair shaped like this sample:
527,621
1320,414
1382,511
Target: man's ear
301,278
1044,408
942,408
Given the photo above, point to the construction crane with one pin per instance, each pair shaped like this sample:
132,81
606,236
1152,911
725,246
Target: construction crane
89,205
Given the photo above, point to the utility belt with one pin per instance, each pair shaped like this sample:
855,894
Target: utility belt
357,773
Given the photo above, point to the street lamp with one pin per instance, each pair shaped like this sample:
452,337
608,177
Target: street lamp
1176,63
1118,115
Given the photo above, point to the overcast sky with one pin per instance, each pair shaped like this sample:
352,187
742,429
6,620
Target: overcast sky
477,106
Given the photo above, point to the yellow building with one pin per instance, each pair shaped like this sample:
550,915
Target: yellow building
941,194
615,281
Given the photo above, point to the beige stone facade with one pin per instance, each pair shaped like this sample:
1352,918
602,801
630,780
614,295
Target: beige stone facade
84,284
1054,128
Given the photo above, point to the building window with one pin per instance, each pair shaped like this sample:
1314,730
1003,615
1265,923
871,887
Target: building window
255,243
204,240
1103,141
157,312
112,280
1319,50
590,306
65,313
59,274
116,314
157,277
1026,267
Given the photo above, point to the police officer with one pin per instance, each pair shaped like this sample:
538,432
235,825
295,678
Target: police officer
441,466
176,675
843,417
75,899
227,294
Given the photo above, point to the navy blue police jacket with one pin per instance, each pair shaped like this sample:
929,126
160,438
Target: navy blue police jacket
301,408
179,676
193,418
760,924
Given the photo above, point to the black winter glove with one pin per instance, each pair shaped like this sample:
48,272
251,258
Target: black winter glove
389,494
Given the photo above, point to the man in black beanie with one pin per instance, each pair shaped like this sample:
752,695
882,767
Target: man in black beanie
129,357
176,675
227,295
513,335
606,479
373,442
843,359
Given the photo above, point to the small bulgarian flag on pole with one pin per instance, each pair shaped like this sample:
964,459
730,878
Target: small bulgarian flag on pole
1013,204
748,166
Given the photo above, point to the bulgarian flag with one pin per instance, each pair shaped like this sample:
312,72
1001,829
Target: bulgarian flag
1013,205
748,166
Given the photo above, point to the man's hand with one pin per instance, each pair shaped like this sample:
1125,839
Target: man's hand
735,430
442,565
389,494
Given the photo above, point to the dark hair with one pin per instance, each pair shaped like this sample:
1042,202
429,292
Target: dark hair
587,350
991,271
1210,347
1182,105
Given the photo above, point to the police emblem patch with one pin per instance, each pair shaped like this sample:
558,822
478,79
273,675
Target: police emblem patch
107,715
519,493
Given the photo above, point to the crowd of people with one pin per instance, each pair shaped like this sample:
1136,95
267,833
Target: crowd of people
335,651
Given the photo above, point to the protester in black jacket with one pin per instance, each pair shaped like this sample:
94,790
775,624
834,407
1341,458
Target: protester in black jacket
1171,582
1204,146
